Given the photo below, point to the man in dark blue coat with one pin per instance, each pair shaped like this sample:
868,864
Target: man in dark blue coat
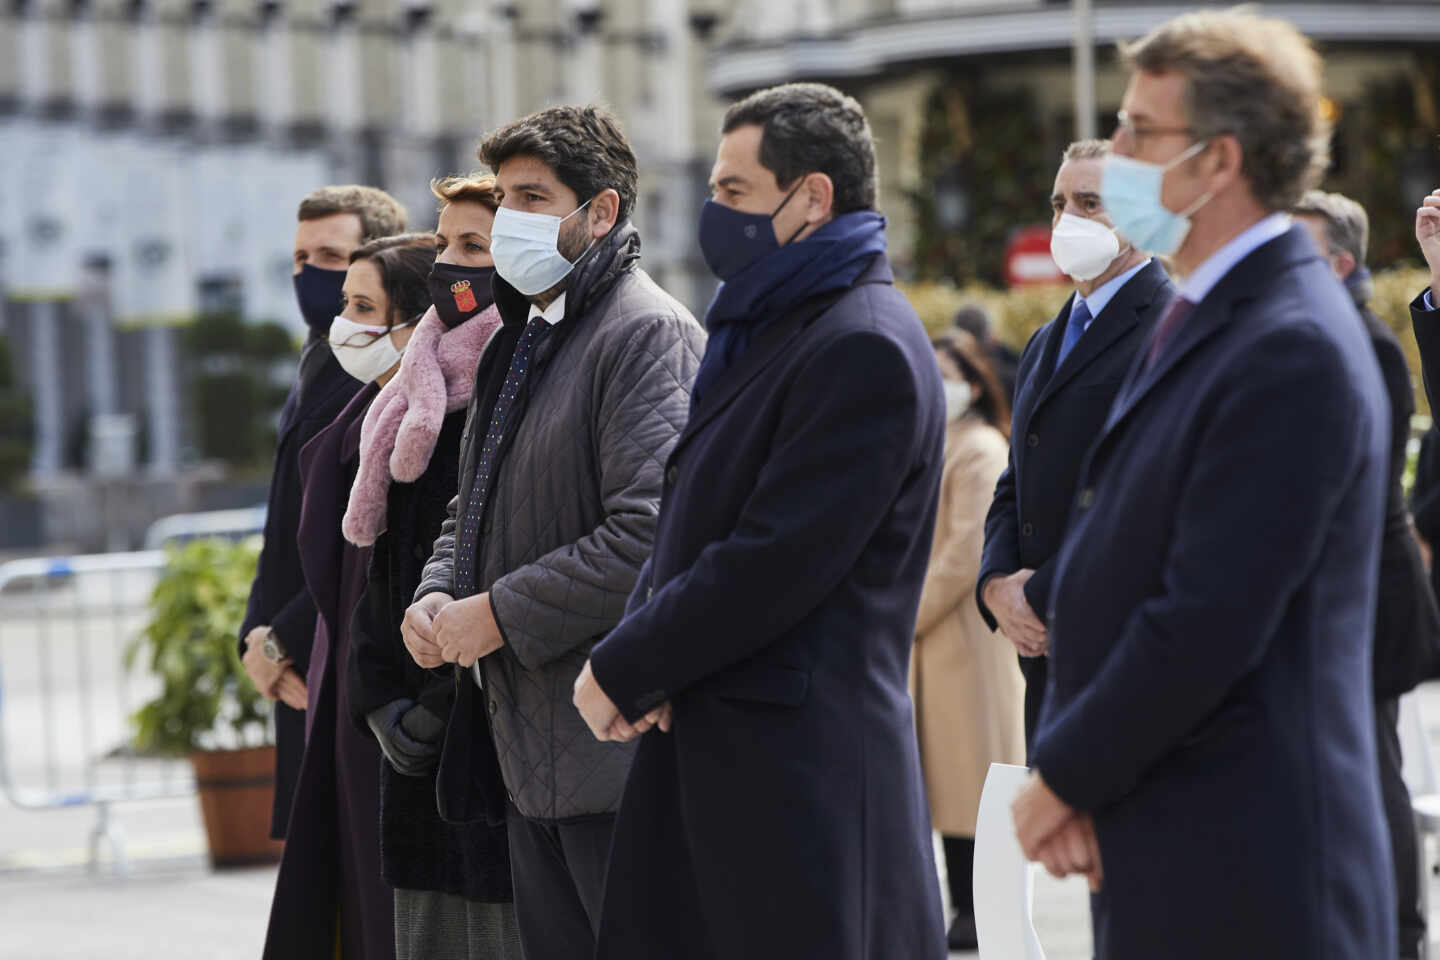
1069,374
279,620
1206,752
779,812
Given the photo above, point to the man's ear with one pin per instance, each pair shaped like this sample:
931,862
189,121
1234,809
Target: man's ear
1228,159
819,193
604,213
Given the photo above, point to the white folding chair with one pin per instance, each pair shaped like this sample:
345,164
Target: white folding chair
1004,881
1417,767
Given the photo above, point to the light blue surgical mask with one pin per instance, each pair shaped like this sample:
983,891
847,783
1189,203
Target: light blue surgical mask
526,249
1130,191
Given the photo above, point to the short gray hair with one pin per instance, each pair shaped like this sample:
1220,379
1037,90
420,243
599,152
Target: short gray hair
1347,226
1086,150
1254,78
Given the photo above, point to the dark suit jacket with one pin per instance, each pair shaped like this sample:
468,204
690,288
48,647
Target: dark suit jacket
1425,497
1407,623
278,596
785,815
1427,337
1209,697
1057,414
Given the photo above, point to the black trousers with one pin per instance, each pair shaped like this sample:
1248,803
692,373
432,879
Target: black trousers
1400,818
558,868
1036,671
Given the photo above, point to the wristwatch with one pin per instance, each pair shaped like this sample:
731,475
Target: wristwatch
272,649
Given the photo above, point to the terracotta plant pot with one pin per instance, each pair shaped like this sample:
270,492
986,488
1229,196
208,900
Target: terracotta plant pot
237,791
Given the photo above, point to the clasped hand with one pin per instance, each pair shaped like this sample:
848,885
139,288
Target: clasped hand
439,629
604,718
1054,834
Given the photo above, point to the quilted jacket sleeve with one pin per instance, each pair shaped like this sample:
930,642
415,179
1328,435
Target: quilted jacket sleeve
573,595
439,574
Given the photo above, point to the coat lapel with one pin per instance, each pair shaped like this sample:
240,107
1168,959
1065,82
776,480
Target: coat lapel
1210,316
1119,317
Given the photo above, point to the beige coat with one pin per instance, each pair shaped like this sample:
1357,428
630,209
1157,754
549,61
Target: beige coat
968,690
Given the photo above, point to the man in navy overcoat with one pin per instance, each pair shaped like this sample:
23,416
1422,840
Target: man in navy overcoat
783,814
1206,751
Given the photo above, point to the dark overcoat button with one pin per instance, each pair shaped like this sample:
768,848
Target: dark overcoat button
1027,529
1033,440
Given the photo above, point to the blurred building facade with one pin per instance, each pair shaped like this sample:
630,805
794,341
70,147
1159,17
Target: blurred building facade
154,151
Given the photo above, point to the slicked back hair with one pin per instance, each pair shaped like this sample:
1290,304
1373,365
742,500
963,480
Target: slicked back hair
812,128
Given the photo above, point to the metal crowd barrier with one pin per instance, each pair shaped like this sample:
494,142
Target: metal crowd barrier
240,522
65,695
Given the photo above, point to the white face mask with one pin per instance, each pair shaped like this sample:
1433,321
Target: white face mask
364,351
527,251
958,394
1083,249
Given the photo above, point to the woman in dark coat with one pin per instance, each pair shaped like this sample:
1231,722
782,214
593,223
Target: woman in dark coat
452,881
330,892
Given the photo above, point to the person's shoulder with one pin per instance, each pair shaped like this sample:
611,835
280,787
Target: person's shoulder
640,304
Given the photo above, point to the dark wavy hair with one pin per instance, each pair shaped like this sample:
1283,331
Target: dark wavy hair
975,367
404,262
583,146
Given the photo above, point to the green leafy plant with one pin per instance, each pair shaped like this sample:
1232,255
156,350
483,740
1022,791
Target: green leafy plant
206,700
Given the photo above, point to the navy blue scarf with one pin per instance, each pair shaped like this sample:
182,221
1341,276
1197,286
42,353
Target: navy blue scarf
830,259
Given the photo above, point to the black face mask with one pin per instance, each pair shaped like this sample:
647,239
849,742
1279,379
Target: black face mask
460,292
319,293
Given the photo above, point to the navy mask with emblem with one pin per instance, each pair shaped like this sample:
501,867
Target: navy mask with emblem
731,240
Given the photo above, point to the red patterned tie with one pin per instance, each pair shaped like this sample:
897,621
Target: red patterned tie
1165,330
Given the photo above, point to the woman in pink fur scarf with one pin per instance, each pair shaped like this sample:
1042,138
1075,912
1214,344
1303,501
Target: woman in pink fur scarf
452,881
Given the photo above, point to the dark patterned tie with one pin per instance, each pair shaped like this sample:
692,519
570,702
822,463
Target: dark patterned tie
467,538
1166,329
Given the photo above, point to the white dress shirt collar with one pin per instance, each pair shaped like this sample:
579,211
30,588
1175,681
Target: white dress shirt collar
552,314
1196,286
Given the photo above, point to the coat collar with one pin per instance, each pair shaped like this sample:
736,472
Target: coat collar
770,345
1246,281
1119,317
317,392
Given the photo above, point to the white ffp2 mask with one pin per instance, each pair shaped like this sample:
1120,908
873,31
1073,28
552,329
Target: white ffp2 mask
1083,249
365,352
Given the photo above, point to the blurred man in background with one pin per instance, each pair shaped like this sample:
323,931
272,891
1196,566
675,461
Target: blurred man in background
1069,374
1407,625
280,617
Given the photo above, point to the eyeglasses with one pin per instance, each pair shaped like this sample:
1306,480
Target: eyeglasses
1126,127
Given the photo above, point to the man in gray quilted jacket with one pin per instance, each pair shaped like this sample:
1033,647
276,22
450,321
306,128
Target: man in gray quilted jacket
578,401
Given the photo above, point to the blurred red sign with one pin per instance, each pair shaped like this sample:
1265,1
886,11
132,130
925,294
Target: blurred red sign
1028,260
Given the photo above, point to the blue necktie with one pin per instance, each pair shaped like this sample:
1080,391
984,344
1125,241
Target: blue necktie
467,538
1079,319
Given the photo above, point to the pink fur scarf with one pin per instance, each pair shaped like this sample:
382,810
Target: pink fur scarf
436,377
